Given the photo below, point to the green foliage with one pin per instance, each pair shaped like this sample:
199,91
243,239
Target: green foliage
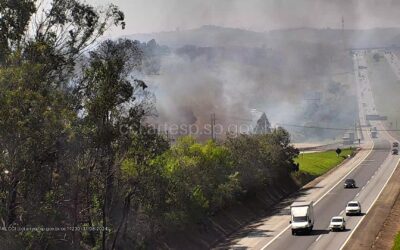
201,178
396,245
204,178
14,22
319,163
261,159
75,149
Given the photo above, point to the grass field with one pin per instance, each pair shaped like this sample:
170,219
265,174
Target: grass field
396,242
319,163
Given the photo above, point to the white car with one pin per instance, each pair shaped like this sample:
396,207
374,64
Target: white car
353,207
337,223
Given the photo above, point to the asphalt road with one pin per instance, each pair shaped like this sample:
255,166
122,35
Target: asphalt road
371,172
371,177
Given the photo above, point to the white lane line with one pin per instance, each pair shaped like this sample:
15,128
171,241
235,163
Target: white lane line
362,218
319,237
341,212
334,186
357,194
362,188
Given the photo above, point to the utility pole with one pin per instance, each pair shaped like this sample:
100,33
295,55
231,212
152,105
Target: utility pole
355,130
343,35
265,126
212,126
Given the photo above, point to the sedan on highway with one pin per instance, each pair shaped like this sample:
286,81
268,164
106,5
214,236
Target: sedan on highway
337,223
353,207
349,183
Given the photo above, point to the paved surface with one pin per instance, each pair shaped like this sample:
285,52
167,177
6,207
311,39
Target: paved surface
371,168
309,147
394,62
381,224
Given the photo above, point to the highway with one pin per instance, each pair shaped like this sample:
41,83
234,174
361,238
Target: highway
371,169
394,62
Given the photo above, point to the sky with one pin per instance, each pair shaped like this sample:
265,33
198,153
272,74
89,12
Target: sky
147,16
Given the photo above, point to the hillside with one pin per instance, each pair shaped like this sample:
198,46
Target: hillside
216,36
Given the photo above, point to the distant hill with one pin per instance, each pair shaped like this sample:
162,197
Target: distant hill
212,36
205,36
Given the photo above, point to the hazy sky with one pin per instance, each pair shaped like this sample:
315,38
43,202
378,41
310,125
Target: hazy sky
145,16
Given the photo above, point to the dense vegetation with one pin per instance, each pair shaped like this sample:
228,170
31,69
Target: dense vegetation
75,154
396,245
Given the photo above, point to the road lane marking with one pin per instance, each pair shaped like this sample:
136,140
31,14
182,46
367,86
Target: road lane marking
319,237
357,194
373,203
362,188
334,186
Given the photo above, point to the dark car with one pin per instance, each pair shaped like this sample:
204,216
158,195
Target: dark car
395,144
349,183
395,151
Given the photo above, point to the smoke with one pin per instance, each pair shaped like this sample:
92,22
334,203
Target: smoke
145,16
229,81
230,71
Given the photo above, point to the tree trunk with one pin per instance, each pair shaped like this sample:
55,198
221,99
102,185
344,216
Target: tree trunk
127,205
109,182
12,198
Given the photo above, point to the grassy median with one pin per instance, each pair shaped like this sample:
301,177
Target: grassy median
319,163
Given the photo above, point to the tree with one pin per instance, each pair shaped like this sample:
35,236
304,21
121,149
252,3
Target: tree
14,23
251,164
262,159
38,50
111,99
201,180
263,126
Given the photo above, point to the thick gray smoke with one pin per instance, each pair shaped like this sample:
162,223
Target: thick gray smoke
298,76
145,16
278,76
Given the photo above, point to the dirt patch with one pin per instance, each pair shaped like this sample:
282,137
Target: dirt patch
390,228
381,224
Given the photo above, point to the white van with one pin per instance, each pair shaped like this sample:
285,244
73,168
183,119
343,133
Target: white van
302,217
